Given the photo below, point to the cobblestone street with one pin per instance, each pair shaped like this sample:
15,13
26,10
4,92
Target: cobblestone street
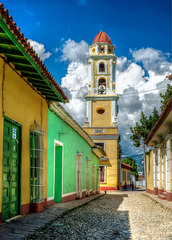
125,215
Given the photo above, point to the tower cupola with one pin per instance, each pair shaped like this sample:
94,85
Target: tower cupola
102,37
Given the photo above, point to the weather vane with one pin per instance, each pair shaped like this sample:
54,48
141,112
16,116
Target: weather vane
101,28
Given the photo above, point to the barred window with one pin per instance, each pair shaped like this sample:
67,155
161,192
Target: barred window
128,176
37,169
123,175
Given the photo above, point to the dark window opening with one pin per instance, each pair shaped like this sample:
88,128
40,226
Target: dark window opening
101,67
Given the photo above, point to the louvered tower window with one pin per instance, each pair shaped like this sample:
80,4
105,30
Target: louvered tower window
37,168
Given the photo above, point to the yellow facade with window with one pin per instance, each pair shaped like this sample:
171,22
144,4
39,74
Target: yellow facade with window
21,104
26,88
159,160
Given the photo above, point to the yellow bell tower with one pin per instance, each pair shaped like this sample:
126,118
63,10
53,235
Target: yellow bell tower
102,108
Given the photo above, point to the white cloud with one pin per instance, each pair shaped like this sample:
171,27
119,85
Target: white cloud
134,82
153,60
40,49
75,52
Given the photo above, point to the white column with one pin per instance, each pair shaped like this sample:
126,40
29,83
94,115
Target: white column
162,166
111,75
88,111
169,163
158,169
154,167
92,76
106,49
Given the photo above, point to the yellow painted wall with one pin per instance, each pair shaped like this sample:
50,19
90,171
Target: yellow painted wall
149,170
102,120
111,175
22,104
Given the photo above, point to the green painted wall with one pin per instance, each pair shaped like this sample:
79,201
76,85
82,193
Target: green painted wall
72,143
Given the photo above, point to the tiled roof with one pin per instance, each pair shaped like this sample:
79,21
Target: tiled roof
124,165
102,37
29,49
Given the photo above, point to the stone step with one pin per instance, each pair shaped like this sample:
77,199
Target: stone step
162,197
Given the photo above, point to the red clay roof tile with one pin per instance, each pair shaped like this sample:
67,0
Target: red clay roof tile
26,45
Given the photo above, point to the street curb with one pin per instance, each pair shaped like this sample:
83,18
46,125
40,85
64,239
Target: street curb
162,205
61,215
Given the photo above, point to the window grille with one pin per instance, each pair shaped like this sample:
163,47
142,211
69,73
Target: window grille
37,168
123,175
128,176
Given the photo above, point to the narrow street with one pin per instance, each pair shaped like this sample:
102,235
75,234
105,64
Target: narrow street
124,215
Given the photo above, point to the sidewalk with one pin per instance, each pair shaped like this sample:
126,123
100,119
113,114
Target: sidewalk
163,203
22,226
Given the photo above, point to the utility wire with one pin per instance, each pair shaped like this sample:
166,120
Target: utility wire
127,94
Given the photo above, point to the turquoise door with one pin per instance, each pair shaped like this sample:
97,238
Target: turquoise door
10,175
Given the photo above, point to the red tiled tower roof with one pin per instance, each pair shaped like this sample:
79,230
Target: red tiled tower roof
102,37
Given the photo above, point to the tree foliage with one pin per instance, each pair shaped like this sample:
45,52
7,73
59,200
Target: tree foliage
141,131
166,96
130,161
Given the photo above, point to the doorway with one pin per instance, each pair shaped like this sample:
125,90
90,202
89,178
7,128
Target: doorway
58,171
11,170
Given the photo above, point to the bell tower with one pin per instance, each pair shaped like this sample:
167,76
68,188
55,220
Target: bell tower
102,107
102,98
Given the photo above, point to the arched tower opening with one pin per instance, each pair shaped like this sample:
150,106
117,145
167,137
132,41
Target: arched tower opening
102,86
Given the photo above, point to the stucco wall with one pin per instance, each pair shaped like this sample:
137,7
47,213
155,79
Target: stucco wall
22,104
72,143
111,174
149,171
102,120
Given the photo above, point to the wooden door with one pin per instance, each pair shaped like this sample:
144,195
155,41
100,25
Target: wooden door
10,176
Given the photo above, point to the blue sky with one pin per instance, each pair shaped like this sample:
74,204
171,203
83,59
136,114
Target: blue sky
141,31
129,23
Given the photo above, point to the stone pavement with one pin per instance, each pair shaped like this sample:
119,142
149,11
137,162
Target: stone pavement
22,226
119,215
163,203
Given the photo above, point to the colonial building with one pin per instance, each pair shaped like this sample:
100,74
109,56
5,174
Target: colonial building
159,160
125,174
73,158
102,107
26,89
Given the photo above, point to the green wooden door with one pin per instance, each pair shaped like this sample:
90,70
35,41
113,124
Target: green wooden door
10,177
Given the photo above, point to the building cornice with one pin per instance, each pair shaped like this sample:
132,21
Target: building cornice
107,57
101,97
105,136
